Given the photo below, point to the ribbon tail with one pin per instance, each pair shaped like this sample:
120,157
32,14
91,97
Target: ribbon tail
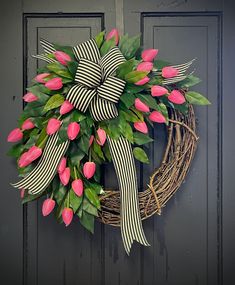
131,225
41,176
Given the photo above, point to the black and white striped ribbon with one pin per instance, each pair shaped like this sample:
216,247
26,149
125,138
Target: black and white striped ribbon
99,90
123,160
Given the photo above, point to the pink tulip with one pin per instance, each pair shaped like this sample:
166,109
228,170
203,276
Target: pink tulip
176,97
27,125
89,169
30,97
73,130
24,160
169,71
65,176
157,117
40,77
66,107
141,127
91,140
62,57
145,66
157,90
15,135
111,34
34,153
101,136
67,216
143,81
22,192
53,126
48,206
139,105
149,54
62,165
54,83
77,186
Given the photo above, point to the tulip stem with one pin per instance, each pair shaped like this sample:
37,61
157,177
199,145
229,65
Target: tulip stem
89,154
68,200
75,172
42,143
51,194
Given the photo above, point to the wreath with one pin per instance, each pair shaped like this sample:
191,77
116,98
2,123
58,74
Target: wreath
93,104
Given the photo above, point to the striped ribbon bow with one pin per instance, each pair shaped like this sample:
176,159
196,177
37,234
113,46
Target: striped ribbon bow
98,90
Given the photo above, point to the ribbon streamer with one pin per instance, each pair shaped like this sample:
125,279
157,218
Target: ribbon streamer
99,90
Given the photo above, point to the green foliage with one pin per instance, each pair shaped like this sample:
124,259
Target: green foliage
159,64
107,46
87,220
196,98
141,139
135,75
140,155
54,102
190,81
99,38
125,68
92,197
59,69
129,46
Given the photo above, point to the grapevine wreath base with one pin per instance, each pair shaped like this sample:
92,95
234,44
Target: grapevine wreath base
166,180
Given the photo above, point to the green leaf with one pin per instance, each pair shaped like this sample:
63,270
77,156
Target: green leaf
148,100
72,67
42,98
60,194
99,38
129,46
106,46
92,197
97,149
75,153
141,139
131,88
87,220
28,197
190,81
75,201
140,155
59,69
159,64
54,102
89,208
107,153
128,99
42,137
94,186
135,75
196,98
16,150
128,133
83,143
164,111
77,116
125,68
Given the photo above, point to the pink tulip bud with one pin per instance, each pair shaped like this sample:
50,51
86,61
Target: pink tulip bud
101,136
27,125
15,135
62,165
157,117
24,160
149,54
176,97
91,140
139,105
65,176
141,127
111,34
89,169
48,206
157,90
62,57
30,97
143,81
40,77
73,130
22,192
67,216
34,153
53,126
54,83
169,71
77,186
145,66
66,107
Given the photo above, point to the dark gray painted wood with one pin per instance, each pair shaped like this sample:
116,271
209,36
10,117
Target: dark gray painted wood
187,242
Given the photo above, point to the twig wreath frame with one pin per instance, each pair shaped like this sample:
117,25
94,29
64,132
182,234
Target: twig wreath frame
165,180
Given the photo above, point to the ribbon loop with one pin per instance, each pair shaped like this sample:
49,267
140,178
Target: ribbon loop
101,109
88,50
88,73
80,97
111,89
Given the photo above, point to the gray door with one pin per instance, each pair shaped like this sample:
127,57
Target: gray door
192,242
